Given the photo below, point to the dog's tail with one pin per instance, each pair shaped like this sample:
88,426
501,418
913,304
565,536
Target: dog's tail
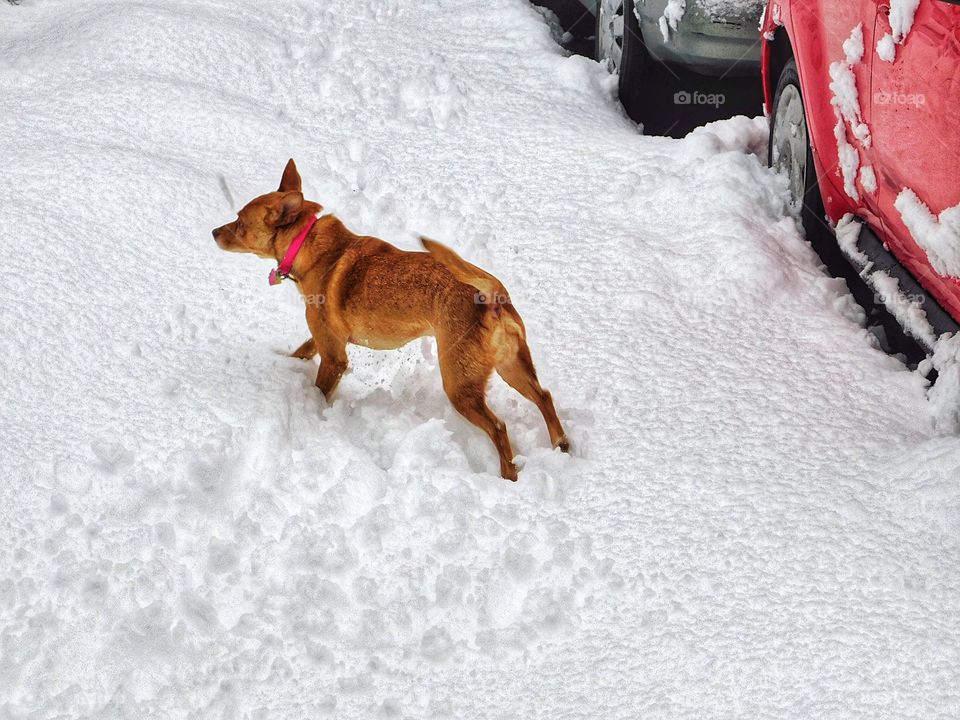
490,290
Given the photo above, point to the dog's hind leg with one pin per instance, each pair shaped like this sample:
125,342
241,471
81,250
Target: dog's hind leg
306,351
465,370
470,402
518,372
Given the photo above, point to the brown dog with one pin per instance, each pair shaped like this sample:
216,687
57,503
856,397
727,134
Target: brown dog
365,291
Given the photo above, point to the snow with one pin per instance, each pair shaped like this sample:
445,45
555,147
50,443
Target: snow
907,309
849,160
868,178
774,11
761,516
848,237
901,18
843,85
845,99
672,15
853,46
938,237
945,394
732,9
716,10
887,48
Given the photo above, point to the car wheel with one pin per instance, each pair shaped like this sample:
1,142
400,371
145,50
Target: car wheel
618,41
789,152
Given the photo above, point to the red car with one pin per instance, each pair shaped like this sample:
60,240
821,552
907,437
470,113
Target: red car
864,104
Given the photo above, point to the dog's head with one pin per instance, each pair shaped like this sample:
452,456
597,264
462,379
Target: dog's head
256,226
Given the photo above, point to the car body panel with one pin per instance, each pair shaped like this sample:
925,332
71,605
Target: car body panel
916,128
719,38
713,39
912,145
821,45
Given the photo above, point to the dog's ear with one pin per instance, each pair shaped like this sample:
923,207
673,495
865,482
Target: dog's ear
291,178
287,208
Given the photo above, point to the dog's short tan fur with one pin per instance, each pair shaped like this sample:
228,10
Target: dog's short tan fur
362,290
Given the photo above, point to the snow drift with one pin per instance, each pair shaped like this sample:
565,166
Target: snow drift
760,519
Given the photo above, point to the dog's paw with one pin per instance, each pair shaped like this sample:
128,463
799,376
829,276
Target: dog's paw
508,471
306,351
285,354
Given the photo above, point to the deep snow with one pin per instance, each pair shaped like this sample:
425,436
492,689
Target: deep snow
760,519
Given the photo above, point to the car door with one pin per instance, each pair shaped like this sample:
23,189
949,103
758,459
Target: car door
915,123
836,86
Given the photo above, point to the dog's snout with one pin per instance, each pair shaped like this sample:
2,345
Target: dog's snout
218,236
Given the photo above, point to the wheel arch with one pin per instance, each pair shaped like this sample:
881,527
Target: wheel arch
776,54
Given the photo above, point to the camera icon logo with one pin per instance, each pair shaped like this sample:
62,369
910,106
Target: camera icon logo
494,298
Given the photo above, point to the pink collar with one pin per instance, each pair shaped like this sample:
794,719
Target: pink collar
282,271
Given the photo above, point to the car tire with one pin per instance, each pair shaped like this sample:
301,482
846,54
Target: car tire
789,151
808,210
618,42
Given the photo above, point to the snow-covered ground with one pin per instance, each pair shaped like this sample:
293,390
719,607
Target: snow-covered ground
760,519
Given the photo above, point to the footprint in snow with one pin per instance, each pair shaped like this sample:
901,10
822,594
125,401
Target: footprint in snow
73,477
111,456
436,644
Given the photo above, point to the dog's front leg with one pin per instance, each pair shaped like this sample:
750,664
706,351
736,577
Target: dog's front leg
333,363
332,351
